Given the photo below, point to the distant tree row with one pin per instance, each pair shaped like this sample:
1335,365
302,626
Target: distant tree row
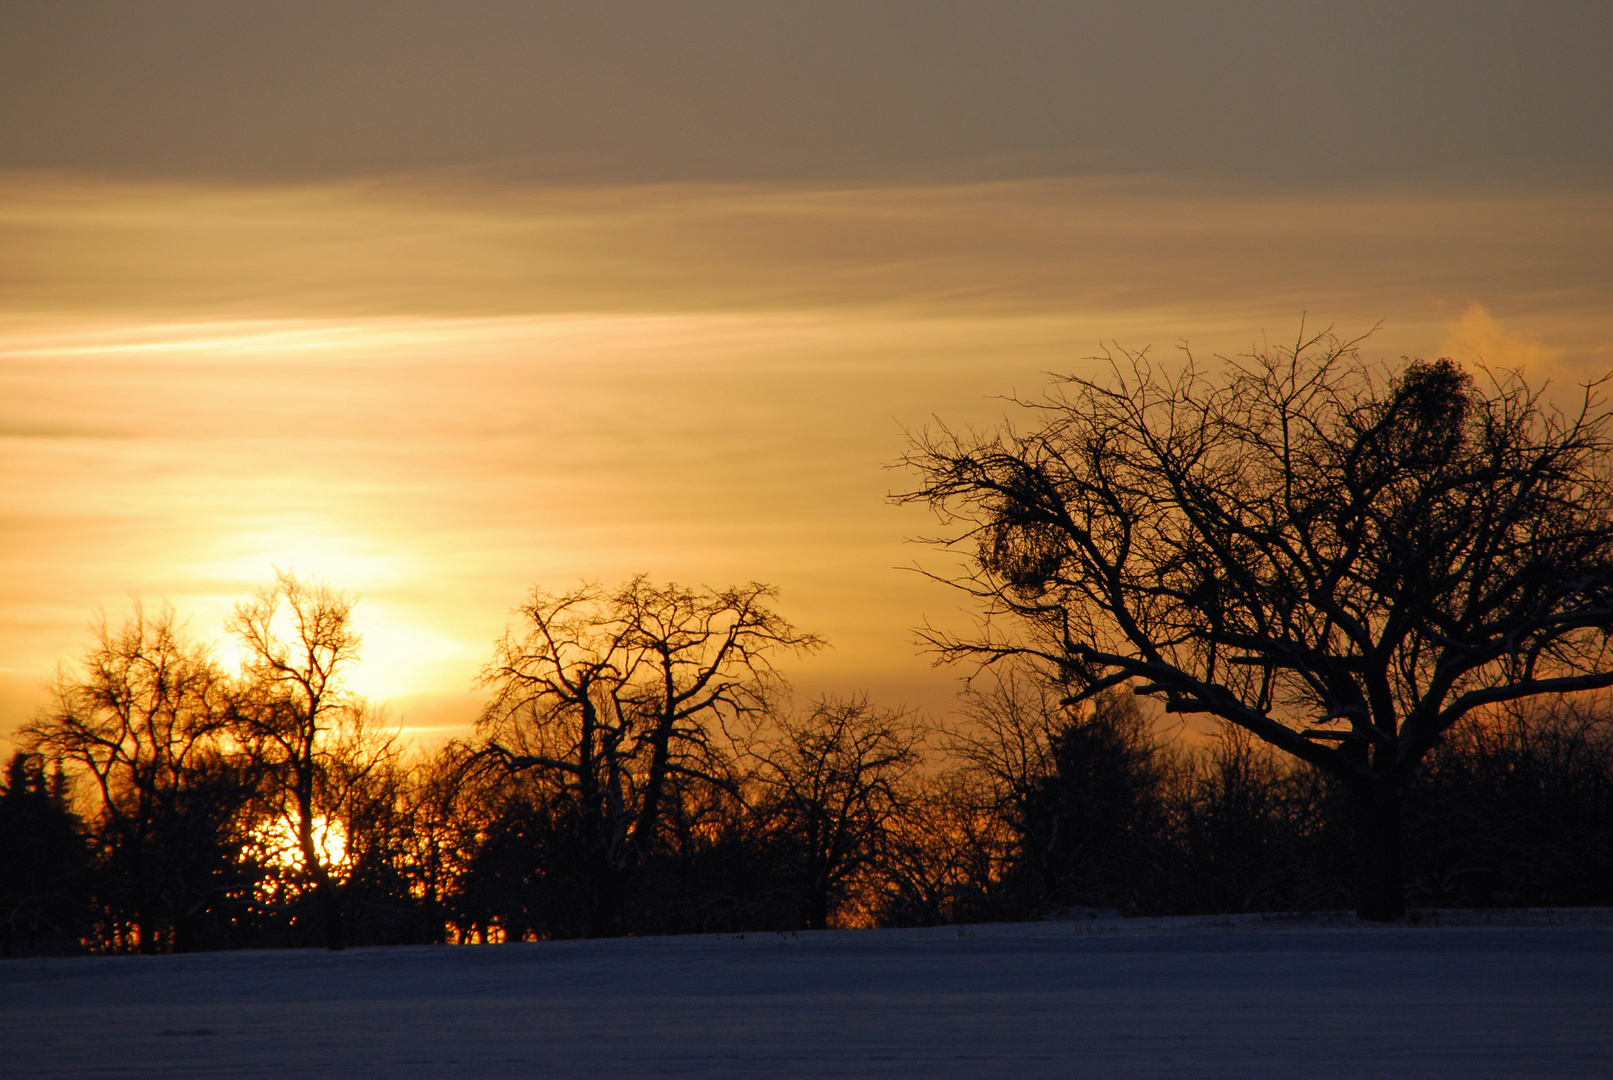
1093,808
636,771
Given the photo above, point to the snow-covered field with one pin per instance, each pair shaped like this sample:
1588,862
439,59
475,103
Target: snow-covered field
1309,998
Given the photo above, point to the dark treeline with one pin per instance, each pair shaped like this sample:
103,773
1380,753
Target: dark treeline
636,770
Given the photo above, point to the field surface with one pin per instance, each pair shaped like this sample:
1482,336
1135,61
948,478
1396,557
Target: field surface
1105,998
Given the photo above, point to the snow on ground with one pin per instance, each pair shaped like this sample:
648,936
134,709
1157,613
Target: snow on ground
1311,997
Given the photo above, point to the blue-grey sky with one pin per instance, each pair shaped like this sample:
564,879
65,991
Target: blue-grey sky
1314,91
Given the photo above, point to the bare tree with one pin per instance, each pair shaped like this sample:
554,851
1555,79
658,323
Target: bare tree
1077,783
439,819
836,783
943,854
316,741
614,694
142,719
1254,830
1342,560
1518,810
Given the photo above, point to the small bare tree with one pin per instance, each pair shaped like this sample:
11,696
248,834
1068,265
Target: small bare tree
613,695
835,785
1078,786
1342,560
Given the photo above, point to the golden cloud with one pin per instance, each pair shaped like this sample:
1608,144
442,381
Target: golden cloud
1477,338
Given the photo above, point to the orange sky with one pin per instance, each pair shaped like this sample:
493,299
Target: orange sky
377,302
438,394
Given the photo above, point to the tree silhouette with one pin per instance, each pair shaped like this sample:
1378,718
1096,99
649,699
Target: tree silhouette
1078,786
142,718
1256,832
611,695
1342,561
835,785
1518,811
44,886
316,743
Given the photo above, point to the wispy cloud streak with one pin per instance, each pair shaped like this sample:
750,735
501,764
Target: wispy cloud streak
441,390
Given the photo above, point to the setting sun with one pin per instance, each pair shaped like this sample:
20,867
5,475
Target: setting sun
277,845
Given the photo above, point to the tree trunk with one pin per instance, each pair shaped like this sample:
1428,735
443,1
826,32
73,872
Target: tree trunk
818,907
1380,891
605,918
330,907
330,910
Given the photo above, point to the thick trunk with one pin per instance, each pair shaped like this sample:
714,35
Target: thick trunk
330,910
1380,892
818,908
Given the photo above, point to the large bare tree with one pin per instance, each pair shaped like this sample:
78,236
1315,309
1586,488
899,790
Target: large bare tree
1342,559
614,695
316,742
141,717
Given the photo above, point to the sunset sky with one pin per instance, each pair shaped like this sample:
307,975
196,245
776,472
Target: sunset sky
439,301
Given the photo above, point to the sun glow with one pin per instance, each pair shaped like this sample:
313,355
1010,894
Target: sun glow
465,389
277,844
